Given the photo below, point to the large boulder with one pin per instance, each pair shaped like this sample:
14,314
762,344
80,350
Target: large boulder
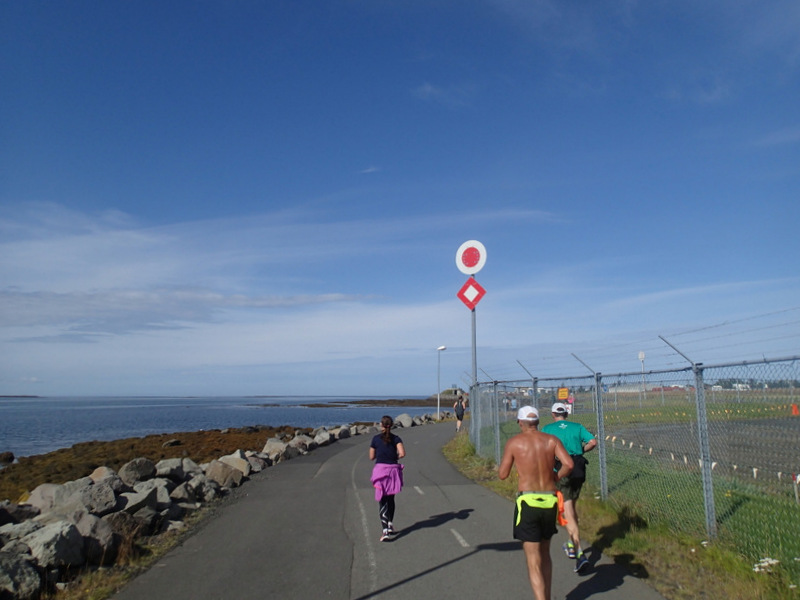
289,453
58,544
123,525
16,531
323,437
191,468
47,495
341,433
224,474
19,579
258,462
100,542
278,450
237,460
175,512
183,494
72,497
132,502
139,469
16,513
99,499
363,430
274,448
171,468
205,489
109,476
404,420
149,518
302,442
163,488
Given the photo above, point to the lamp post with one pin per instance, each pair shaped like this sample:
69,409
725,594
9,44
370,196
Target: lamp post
438,381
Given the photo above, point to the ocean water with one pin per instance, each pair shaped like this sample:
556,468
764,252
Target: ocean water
30,426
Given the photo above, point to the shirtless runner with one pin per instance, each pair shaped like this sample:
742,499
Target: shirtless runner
534,453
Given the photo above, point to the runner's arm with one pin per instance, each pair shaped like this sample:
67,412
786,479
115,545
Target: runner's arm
588,441
504,470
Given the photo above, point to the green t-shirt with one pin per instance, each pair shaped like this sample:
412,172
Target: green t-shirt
572,435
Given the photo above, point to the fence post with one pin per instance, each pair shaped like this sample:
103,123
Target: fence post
601,436
705,452
496,423
475,417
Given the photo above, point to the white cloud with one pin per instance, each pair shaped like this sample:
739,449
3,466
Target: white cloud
102,302
450,96
782,137
89,277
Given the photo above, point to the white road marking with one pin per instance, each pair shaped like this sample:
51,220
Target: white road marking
419,490
460,539
373,563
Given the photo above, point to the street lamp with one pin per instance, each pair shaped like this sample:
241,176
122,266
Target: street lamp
438,381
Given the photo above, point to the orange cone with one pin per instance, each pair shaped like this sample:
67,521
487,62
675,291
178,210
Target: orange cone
795,411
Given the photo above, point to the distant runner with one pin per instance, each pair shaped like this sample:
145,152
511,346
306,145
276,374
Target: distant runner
534,454
577,440
387,475
459,406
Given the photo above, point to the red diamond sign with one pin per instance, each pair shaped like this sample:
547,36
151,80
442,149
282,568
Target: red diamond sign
471,293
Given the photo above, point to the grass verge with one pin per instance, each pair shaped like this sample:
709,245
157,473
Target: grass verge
678,566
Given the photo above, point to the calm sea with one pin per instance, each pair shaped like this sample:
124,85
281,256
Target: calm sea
31,426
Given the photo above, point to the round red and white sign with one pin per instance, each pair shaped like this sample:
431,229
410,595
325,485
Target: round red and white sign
471,257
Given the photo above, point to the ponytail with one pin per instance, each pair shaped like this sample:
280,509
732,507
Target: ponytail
386,424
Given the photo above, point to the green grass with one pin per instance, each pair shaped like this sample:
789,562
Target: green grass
750,521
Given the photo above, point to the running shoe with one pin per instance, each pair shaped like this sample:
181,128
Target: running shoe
569,549
581,562
391,529
385,535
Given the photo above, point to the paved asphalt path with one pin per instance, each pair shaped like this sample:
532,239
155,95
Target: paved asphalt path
309,528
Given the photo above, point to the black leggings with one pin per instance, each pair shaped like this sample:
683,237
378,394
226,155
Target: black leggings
386,507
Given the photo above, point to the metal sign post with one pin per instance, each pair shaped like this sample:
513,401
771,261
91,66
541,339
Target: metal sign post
470,258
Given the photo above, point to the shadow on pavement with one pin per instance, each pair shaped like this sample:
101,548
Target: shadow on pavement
598,579
497,547
434,521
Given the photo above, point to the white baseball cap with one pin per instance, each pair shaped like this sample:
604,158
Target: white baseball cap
559,408
527,413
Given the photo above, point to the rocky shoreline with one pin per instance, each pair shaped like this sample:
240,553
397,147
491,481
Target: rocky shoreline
52,531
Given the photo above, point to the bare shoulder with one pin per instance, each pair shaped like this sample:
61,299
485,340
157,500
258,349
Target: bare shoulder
513,440
516,441
553,439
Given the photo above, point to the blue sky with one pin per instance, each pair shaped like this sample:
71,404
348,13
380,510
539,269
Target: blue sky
234,198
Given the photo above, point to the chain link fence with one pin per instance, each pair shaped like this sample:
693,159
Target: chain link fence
712,451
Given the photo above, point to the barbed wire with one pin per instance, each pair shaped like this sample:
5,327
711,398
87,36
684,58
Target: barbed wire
728,338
